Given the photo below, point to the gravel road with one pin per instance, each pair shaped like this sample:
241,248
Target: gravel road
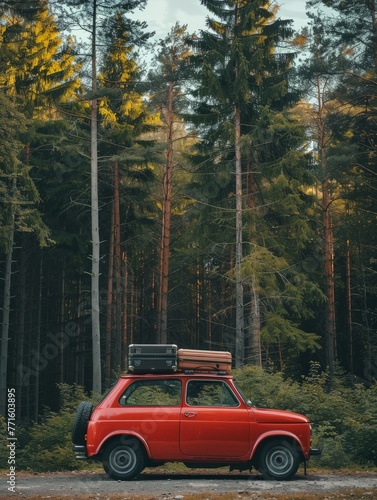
175,485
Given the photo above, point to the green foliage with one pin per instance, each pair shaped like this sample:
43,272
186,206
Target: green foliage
50,445
344,417
361,437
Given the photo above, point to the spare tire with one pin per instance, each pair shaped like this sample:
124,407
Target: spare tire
80,423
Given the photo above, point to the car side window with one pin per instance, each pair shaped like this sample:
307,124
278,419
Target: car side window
210,393
152,393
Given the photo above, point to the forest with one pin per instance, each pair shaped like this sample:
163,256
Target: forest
215,190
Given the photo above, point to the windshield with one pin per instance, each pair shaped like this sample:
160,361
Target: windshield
247,401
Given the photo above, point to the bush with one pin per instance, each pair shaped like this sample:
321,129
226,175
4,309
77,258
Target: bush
344,417
333,454
361,436
50,446
362,445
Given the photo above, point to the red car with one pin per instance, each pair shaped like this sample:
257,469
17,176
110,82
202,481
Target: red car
200,419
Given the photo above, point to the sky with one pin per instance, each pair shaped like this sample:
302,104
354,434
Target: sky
161,15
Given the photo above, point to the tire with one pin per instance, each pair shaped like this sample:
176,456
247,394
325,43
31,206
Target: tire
278,460
123,459
80,423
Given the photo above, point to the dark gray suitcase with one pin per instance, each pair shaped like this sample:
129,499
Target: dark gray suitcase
152,358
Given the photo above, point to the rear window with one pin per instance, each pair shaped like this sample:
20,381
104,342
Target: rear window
152,393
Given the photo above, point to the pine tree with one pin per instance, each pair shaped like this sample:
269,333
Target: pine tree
351,26
92,16
26,10
243,83
125,123
30,72
319,72
35,64
18,213
168,97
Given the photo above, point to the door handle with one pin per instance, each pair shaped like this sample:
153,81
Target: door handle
190,414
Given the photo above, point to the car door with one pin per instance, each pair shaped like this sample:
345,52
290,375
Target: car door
214,423
150,408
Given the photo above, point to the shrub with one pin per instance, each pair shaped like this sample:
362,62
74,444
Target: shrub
344,417
362,444
50,445
361,436
333,454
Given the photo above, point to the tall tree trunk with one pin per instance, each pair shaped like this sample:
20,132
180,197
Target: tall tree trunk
132,308
240,341
349,307
6,307
162,324
21,330
109,305
329,272
209,313
255,356
124,315
328,234
368,375
38,339
198,294
118,271
62,320
96,335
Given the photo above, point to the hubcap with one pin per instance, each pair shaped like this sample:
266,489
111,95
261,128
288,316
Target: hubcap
280,461
122,460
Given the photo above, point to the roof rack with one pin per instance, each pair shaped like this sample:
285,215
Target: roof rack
213,372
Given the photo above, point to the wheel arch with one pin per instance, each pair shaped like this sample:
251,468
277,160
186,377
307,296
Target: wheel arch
118,436
276,436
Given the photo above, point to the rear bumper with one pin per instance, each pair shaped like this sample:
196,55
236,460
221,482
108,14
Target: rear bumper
80,452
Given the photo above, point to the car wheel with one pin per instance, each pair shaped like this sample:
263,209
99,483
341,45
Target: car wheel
278,460
123,459
80,423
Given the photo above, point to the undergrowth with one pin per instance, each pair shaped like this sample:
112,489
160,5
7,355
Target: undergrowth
344,420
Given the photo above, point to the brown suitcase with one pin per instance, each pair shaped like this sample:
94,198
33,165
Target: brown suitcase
197,360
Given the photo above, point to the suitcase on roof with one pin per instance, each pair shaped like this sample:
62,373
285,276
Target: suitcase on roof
202,360
152,358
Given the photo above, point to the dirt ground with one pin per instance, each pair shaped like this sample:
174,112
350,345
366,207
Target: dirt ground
156,484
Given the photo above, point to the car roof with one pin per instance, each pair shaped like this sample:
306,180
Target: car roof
179,374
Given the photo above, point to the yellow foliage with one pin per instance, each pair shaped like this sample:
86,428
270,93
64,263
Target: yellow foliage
32,62
300,41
